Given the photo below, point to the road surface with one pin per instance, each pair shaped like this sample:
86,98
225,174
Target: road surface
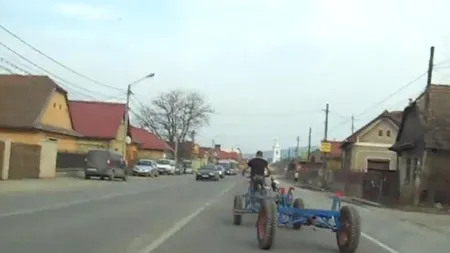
168,214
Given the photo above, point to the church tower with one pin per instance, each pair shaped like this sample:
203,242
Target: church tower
276,156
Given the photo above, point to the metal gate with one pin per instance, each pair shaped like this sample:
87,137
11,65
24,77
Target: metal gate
381,186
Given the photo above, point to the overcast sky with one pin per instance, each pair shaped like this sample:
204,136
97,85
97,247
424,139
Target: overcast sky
267,66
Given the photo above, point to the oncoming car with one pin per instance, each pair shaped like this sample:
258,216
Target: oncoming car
208,172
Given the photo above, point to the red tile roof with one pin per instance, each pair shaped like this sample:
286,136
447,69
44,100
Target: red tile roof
97,119
227,155
148,140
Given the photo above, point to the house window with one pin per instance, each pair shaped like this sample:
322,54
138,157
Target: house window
60,107
408,170
380,132
388,133
54,105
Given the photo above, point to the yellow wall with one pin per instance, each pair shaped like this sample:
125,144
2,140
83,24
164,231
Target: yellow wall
118,144
21,137
150,154
57,112
65,143
84,145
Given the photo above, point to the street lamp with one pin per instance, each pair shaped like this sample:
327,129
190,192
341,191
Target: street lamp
124,151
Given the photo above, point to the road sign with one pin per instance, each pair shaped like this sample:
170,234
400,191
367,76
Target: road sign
325,147
196,149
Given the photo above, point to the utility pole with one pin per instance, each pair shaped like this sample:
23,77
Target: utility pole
127,111
353,124
289,153
192,135
297,147
309,144
325,139
417,180
429,80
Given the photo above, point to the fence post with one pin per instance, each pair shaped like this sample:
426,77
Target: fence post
6,157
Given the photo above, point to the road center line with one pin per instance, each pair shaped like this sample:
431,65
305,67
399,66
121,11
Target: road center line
378,243
78,202
183,222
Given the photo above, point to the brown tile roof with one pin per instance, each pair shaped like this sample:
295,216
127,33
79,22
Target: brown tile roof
394,116
23,99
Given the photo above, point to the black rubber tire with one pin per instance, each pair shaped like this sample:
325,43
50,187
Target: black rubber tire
298,203
349,216
87,177
238,204
268,212
124,178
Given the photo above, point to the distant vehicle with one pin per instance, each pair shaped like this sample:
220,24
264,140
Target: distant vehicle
164,166
221,171
187,166
208,172
104,164
146,168
171,170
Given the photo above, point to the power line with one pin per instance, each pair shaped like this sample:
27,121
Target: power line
55,61
48,72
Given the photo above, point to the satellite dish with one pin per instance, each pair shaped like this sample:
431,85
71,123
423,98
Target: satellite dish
128,140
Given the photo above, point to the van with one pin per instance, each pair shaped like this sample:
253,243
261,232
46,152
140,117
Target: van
104,164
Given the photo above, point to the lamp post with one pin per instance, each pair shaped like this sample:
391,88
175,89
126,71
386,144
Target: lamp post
127,109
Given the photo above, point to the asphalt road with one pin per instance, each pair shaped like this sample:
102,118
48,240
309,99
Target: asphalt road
164,215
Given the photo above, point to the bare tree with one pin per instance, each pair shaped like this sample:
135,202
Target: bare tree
174,114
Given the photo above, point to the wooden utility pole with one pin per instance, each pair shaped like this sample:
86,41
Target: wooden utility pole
417,181
429,79
297,147
325,154
309,145
353,124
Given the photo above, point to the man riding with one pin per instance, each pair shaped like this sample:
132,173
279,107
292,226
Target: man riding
258,167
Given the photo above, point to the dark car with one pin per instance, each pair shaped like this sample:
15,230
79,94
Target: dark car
208,172
104,164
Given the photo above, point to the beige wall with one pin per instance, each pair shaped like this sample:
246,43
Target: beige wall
49,150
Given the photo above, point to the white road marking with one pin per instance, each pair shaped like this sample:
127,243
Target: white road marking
378,243
78,202
182,223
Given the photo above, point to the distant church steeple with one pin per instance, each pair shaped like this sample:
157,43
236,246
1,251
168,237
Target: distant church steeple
276,156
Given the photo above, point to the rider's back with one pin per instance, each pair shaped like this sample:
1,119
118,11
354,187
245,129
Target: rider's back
257,166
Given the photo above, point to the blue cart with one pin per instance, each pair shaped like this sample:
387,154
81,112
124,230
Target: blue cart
344,221
249,203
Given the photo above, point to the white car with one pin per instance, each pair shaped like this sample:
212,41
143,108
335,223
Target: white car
164,167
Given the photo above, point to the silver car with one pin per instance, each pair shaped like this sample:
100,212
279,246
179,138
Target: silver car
146,168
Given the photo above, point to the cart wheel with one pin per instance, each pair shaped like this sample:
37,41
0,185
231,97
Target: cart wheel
348,235
266,224
238,204
298,204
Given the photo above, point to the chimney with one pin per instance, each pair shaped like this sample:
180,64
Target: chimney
410,101
217,147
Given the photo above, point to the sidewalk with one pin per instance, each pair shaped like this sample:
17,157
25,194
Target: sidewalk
34,185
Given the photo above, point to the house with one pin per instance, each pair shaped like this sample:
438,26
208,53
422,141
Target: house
149,145
35,109
368,147
100,123
423,148
334,157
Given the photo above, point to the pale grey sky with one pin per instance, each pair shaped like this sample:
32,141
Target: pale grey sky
297,55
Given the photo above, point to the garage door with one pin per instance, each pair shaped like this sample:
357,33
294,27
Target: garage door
24,161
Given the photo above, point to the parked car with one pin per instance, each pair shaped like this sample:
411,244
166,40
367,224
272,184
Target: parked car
208,172
164,166
146,168
221,171
104,164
